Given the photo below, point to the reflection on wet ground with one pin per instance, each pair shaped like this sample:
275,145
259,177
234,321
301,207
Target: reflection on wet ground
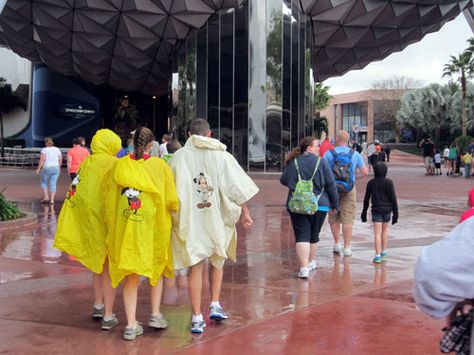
264,297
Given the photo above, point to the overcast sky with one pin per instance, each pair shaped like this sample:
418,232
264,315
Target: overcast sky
423,60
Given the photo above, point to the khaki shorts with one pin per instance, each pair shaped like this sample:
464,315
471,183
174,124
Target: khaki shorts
428,162
347,209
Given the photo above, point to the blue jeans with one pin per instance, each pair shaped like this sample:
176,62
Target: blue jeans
49,176
467,170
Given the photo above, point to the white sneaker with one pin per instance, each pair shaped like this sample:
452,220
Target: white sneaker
347,251
304,273
337,248
312,265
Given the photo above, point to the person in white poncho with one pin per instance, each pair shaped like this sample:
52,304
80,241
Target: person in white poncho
444,280
213,190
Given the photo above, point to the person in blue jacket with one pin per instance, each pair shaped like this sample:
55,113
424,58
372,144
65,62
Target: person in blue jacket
307,227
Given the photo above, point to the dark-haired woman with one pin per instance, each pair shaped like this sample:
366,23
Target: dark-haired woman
139,217
307,227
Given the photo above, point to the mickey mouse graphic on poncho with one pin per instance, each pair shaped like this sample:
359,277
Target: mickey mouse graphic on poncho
205,191
72,191
134,204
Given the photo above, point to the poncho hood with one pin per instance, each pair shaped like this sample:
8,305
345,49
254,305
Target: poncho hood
380,170
106,142
201,142
132,173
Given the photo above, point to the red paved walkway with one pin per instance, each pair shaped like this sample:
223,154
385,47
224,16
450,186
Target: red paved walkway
346,307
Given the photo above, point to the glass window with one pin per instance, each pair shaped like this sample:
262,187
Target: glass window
201,77
257,86
274,85
241,85
286,87
213,74
226,98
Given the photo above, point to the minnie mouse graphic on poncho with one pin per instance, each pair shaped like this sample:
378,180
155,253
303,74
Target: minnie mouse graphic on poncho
72,191
134,204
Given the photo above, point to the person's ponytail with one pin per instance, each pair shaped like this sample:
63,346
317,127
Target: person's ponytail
141,138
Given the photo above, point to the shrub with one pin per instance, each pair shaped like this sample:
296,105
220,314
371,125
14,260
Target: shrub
8,210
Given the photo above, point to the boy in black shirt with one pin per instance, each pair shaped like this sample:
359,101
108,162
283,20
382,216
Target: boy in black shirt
384,203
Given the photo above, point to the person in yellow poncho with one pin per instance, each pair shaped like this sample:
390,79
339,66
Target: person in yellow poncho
139,222
213,190
81,230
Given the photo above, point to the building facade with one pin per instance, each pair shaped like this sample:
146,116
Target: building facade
367,115
249,72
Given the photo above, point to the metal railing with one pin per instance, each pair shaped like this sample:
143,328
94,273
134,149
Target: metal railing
18,156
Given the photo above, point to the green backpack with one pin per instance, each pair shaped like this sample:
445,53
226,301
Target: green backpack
303,200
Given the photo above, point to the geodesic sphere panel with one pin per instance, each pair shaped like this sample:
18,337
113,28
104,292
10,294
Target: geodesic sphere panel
126,44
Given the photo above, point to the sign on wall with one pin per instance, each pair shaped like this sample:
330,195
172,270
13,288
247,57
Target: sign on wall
77,111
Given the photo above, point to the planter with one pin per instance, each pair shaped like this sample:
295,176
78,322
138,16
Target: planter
29,220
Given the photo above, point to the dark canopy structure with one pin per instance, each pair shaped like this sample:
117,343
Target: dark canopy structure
128,44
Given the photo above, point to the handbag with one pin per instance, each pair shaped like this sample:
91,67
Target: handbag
457,338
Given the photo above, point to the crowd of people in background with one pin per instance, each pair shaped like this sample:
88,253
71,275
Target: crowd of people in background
455,161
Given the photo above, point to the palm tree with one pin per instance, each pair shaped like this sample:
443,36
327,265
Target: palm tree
321,96
462,67
8,102
321,101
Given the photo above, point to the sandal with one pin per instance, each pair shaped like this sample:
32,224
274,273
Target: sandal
51,202
44,201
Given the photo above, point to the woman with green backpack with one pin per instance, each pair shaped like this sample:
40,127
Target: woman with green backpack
312,194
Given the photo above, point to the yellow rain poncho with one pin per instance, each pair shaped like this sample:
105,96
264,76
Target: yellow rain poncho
211,187
81,230
139,219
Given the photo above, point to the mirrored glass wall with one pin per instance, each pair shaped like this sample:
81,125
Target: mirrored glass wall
248,72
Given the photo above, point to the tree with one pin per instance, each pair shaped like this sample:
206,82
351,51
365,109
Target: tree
8,102
321,101
462,67
432,110
389,92
321,96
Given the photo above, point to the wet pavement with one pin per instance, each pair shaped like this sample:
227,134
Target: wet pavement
347,306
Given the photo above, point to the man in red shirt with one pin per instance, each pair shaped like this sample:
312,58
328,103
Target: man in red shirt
325,146
75,157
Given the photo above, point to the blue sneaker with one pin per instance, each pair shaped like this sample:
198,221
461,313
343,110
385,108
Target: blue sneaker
198,327
217,313
377,259
384,256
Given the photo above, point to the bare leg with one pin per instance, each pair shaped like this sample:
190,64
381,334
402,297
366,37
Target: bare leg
98,289
109,291
195,286
156,292
384,236
45,193
217,275
130,291
303,253
347,232
52,196
313,250
377,237
336,230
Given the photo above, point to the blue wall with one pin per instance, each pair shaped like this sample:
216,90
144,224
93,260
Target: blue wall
50,91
